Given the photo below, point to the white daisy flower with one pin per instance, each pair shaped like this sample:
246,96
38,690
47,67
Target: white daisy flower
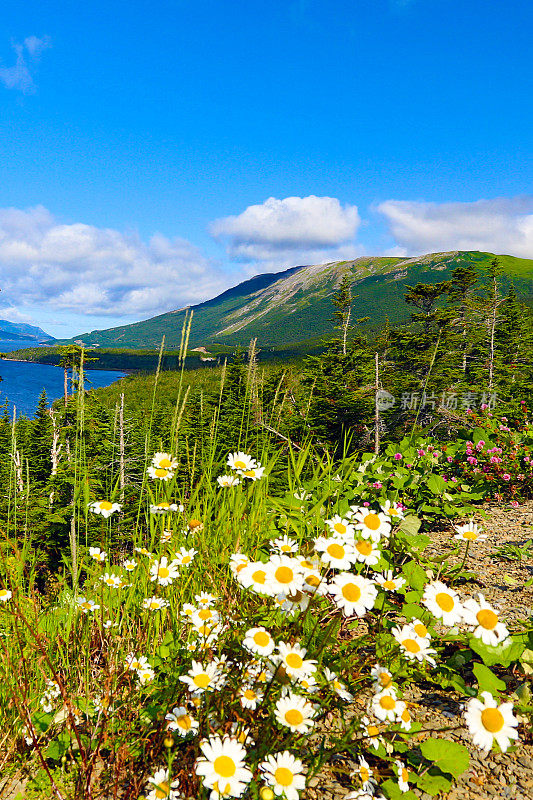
163,507
144,552
237,562
164,461
181,721
285,774
292,659
111,580
341,526
259,641
293,602
97,554
240,461
145,675
336,553
284,544
373,525
388,582
284,575
166,536
104,507
470,532
163,787
5,595
295,712
163,572
337,686
203,615
308,683
155,603
444,603
405,719
226,481
382,677
485,620
87,606
488,722
222,766
129,564
254,576
371,732
413,646
393,510
353,593
364,773
205,599
134,662
403,776
160,473
366,552
253,473
250,698
313,583
185,557
385,705
188,610
420,629
201,679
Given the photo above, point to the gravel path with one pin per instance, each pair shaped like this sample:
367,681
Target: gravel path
497,776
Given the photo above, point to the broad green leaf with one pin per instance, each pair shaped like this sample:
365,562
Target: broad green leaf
433,781
411,525
487,680
505,653
436,484
415,575
448,756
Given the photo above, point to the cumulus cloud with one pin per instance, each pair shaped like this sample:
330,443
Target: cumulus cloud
87,270
502,225
295,230
21,75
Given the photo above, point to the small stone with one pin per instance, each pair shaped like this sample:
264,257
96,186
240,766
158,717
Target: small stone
313,782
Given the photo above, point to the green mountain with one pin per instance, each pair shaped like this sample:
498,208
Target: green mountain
295,305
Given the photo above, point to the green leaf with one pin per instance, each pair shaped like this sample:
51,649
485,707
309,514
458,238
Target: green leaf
393,791
410,525
415,575
412,610
487,680
433,781
505,653
448,756
436,484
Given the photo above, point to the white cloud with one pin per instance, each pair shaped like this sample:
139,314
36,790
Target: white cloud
86,270
295,230
21,75
502,226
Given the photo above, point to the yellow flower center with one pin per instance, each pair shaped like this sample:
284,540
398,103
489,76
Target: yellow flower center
285,548
339,527
405,775
312,580
421,629
162,790
372,730
205,613
186,560
294,660
284,575
335,551
195,523
259,576
184,722
411,645
444,601
239,464
294,717
166,463
164,504
224,766
283,776
385,679
154,604
249,473
364,773
241,566
364,547
250,694
393,512
161,473
351,592
261,638
492,720
389,585
307,564
387,702
372,521
202,680
163,572
487,619
405,715
470,535
105,505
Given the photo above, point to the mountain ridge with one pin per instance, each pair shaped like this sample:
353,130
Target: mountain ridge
295,304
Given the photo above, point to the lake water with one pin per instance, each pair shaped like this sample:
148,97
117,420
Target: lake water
23,381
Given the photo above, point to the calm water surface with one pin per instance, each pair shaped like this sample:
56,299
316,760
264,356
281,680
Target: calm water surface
23,382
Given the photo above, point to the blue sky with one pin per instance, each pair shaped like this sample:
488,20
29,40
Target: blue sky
152,154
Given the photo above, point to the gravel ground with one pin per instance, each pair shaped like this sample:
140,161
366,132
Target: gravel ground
497,776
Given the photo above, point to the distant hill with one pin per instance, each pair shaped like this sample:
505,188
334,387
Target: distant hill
20,330
295,305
